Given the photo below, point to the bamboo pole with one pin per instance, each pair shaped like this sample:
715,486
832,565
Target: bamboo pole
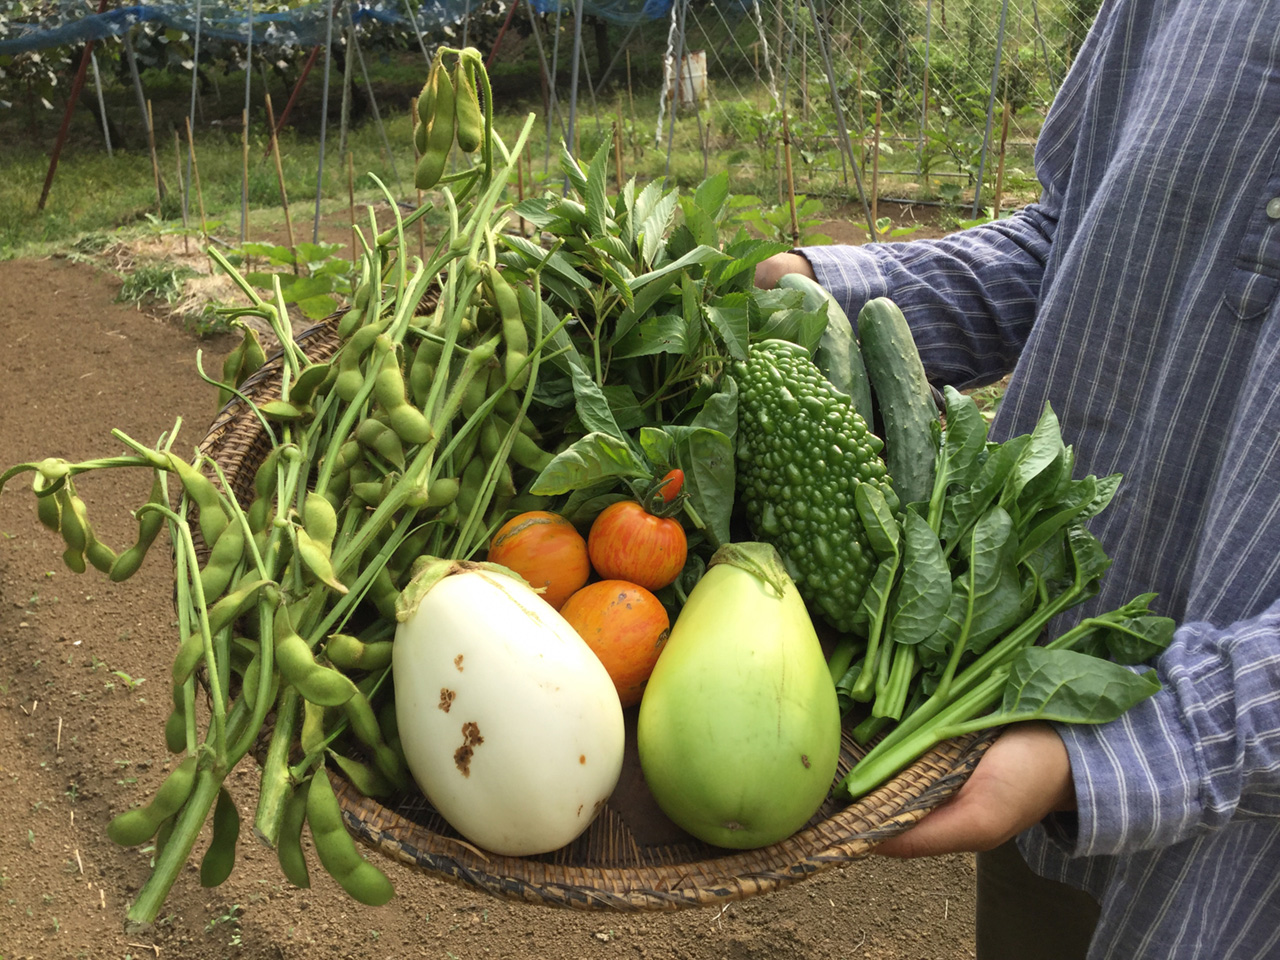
1004,141
875,176
351,203
617,148
195,174
791,184
284,195
155,162
244,177
631,108
177,156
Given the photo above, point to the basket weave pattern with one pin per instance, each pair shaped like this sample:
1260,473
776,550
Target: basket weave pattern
631,858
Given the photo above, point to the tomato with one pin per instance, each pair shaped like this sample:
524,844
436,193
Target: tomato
546,550
627,542
626,626
671,485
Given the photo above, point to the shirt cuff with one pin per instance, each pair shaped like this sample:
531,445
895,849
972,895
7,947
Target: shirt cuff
850,274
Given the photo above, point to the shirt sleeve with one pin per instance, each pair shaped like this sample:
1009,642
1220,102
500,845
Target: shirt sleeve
969,298
1203,751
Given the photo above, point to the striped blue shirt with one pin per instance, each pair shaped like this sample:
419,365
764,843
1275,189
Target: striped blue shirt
1139,298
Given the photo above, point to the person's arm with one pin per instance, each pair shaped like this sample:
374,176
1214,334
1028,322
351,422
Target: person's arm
1203,751
970,298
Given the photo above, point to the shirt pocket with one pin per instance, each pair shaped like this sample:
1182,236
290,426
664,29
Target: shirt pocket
1254,279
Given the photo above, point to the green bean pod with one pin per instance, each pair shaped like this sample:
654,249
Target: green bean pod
383,593
431,166
220,858
188,658
213,517
100,555
350,653
319,518
382,440
140,824
422,371
308,385
73,528
224,559
515,337
311,736
150,523
48,511
316,682
363,777
350,372
175,727
234,605
315,557
470,116
337,851
289,853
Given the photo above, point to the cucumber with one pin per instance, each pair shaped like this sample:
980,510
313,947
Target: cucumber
838,356
903,397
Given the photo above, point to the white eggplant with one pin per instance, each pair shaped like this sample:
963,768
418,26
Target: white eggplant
509,723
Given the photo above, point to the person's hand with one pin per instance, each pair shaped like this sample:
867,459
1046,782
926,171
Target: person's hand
770,271
1024,776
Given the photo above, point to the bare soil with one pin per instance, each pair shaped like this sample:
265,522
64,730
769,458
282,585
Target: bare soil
84,694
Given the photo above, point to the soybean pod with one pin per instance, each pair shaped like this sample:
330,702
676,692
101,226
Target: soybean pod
337,851
289,853
140,824
150,522
439,135
515,337
220,858
316,682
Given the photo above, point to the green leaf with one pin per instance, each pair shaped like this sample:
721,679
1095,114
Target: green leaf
878,522
660,334
317,308
706,456
594,196
535,210
691,308
644,303
655,216
557,264
711,195
572,170
1070,687
592,405
588,461
699,254
733,327
924,588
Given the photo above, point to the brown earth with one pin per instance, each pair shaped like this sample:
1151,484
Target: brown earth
83,697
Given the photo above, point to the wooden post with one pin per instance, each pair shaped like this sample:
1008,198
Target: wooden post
195,175
155,163
76,86
1004,140
244,173
791,185
617,150
875,174
351,202
177,156
284,195
631,101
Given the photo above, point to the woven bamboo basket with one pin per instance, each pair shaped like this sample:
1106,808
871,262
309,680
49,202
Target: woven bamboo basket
632,857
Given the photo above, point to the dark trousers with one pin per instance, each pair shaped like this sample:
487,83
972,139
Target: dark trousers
1023,916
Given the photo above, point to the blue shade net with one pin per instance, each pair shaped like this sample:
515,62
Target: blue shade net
300,26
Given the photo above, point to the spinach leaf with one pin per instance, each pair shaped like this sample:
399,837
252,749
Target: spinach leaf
1069,687
924,589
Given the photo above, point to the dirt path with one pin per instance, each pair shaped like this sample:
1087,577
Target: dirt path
84,694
